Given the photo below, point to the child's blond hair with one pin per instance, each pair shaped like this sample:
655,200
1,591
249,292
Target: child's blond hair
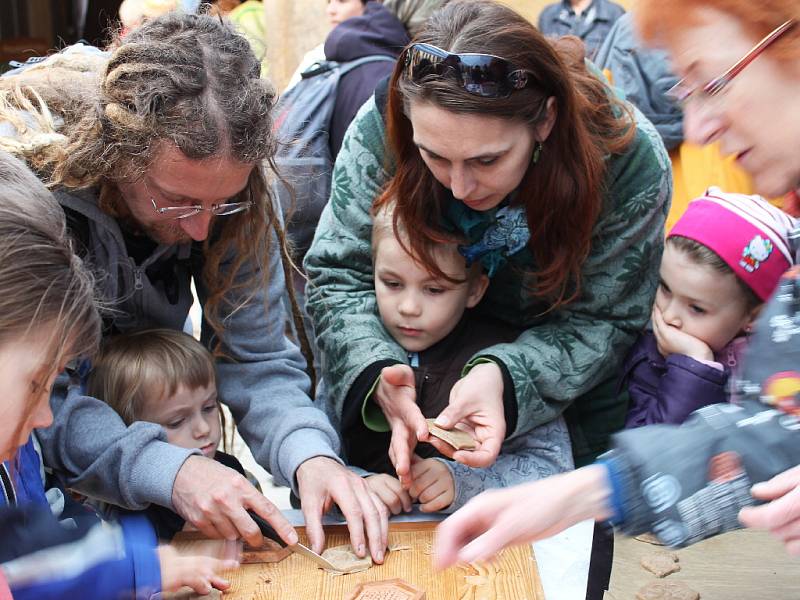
152,363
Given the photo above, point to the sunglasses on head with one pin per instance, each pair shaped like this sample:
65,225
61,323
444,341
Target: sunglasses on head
480,74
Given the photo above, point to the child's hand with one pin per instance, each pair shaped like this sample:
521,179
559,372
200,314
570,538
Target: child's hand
197,572
433,484
391,492
671,340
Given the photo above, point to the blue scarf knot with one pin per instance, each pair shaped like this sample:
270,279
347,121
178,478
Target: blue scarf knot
494,235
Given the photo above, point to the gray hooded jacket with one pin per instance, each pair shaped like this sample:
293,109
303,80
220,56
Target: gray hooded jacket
264,384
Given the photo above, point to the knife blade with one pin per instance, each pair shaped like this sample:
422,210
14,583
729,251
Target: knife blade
268,532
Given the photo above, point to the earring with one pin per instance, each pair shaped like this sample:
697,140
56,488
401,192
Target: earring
537,152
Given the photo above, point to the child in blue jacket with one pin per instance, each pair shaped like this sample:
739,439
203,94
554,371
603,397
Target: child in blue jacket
48,318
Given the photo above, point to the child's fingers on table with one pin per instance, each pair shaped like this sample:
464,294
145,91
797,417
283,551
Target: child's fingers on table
389,498
422,483
438,487
435,505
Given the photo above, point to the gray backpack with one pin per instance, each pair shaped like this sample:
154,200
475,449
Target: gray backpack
302,125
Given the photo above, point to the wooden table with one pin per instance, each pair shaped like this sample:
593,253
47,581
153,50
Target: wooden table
741,565
514,576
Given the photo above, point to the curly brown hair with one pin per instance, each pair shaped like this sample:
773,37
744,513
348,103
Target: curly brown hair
563,194
185,79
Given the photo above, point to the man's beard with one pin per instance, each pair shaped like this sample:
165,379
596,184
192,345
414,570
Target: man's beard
168,234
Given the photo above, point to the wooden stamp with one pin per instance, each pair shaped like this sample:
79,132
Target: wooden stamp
389,589
460,440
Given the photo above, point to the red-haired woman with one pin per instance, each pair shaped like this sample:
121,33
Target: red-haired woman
510,140
742,81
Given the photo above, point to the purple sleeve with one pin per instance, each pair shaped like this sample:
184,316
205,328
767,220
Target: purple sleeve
668,391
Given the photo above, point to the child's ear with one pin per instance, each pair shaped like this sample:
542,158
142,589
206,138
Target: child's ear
752,317
477,288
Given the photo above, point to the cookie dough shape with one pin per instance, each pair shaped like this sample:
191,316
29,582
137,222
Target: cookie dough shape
460,440
667,590
345,560
661,563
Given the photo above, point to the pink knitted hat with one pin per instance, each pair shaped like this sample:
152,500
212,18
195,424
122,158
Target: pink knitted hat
747,232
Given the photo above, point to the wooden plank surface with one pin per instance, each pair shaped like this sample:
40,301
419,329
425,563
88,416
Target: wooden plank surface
513,576
741,565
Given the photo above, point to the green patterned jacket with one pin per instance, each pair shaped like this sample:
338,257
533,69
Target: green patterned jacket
560,357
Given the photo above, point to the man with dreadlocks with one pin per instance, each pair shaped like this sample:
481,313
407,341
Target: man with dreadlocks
159,161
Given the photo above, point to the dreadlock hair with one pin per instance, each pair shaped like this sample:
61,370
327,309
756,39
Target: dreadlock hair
191,81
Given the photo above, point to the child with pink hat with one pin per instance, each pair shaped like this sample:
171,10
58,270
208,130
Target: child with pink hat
722,260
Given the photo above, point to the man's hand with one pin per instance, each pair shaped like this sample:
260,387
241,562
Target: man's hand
321,482
390,492
215,499
433,486
781,516
476,405
671,340
396,394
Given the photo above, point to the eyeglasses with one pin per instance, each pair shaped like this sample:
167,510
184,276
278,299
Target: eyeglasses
184,212
480,74
682,93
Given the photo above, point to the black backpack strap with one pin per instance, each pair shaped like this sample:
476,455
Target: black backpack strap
78,229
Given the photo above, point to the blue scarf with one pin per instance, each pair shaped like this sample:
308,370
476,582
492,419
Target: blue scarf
493,235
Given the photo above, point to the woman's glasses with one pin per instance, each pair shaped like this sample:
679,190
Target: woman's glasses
480,74
682,93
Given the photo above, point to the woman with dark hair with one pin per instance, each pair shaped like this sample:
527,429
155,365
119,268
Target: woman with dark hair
498,135
728,466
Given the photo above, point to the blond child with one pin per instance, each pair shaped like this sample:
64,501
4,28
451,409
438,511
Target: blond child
433,318
165,377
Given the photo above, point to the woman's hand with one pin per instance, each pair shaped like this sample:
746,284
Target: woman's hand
500,518
781,516
476,406
201,573
671,340
396,394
